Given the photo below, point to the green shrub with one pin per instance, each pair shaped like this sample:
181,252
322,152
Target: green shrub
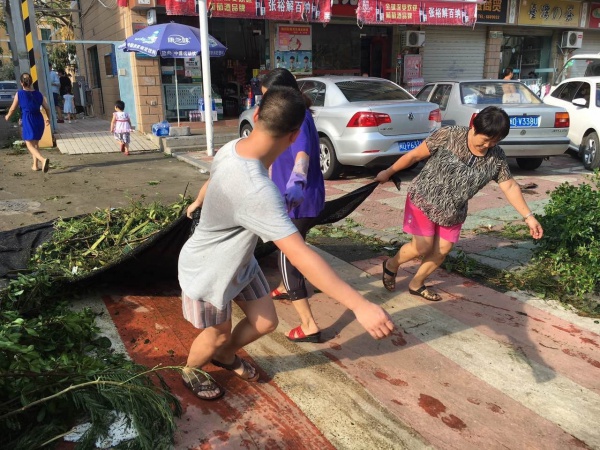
571,244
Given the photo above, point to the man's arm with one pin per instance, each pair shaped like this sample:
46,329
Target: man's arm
371,316
199,200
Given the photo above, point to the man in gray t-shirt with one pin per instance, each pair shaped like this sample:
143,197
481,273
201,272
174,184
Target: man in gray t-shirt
217,265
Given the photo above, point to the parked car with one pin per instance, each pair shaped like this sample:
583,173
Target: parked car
366,122
8,90
581,98
537,130
582,65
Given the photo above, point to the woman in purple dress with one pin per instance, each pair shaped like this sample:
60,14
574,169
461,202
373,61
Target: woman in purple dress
32,120
297,174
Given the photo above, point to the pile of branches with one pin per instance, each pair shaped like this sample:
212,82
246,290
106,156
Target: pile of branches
81,245
56,371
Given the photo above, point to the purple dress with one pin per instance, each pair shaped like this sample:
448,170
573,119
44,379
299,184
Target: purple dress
31,117
314,192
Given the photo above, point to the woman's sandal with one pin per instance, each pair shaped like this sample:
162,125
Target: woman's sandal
238,363
276,294
297,335
46,165
389,284
198,386
424,292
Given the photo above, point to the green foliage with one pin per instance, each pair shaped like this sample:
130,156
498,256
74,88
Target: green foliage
7,72
571,244
55,372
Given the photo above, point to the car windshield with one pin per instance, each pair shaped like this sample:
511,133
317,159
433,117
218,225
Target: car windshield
8,85
497,92
372,90
579,68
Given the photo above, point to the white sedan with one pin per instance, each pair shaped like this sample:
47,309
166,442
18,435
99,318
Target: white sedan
581,97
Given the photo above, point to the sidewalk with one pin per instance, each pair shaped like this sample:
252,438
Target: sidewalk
478,370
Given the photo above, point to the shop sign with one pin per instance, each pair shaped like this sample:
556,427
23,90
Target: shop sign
411,13
288,10
492,11
550,13
293,49
594,21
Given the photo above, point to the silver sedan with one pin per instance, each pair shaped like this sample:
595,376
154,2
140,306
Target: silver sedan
365,122
8,90
537,130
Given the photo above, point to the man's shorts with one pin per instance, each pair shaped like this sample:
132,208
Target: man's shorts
202,314
418,224
57,100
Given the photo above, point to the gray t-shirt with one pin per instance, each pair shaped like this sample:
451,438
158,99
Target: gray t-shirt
241,204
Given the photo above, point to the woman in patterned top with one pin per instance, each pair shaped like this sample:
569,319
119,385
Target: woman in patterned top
461,162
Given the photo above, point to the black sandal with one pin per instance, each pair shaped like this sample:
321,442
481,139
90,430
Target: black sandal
390,285
237,364
424,292
198,385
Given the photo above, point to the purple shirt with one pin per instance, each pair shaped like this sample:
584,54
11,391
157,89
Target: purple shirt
314,191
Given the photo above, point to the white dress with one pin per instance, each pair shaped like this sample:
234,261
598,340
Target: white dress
69,107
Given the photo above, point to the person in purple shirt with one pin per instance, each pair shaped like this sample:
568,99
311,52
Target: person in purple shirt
297,175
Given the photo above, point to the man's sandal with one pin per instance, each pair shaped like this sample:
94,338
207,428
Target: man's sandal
424,292
389,284
199,385
239,363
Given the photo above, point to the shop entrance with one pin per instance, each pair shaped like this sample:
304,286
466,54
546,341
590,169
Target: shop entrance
529,56
374,56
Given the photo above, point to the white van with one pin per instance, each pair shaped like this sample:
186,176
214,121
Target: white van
584,65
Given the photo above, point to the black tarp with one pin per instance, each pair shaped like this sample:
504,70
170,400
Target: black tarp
156,258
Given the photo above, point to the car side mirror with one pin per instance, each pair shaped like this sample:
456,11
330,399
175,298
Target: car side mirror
579,101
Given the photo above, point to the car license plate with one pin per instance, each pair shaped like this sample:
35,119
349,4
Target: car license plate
406,146
524,121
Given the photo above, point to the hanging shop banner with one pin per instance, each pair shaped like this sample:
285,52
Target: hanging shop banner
594,21
293,49
550,13
288,10
492,11
411,13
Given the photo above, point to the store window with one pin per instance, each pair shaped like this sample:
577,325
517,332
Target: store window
529,56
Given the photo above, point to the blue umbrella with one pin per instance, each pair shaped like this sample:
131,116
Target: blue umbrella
171,40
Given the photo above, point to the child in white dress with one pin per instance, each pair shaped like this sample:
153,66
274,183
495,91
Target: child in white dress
69,108
120,126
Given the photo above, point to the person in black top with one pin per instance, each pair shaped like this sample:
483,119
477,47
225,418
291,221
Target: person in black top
65,82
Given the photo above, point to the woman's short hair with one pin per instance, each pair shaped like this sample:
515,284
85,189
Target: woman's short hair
507,71
492,122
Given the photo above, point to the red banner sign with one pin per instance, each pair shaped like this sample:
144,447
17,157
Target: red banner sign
296,10
414,13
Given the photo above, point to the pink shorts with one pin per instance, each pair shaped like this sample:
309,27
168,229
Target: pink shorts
418,224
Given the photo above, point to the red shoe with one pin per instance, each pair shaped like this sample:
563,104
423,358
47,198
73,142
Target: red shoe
122,148
297,335
276,295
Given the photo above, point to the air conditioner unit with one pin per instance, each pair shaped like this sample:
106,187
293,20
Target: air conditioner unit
414,38
572,39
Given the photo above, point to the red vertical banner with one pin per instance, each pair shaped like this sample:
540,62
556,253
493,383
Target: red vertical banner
123,3
416,13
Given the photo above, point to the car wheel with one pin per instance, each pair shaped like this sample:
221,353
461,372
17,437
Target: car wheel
330,166
529,163
591,152
246,130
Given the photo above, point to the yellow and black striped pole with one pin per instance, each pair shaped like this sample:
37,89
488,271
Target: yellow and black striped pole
30,39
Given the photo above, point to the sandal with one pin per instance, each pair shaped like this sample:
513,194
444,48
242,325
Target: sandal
247,368
198,386
424,292
297,335
389,284
46,165
277,295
